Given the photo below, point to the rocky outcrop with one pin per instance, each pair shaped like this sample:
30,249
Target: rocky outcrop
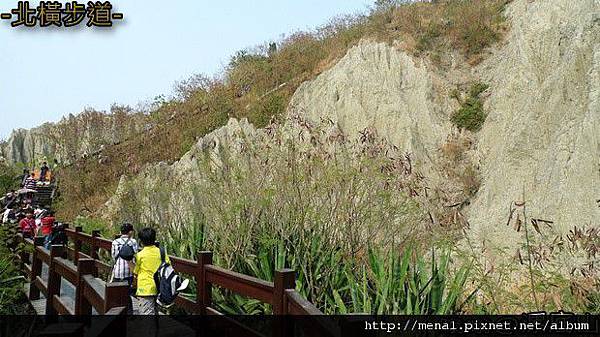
380,87
375,90
24,146
148,199
541,140
71,138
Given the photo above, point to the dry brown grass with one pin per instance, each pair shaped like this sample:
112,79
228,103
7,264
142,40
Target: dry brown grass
549,271
458,166
467,26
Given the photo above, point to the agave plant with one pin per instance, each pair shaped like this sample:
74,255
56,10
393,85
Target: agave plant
395,284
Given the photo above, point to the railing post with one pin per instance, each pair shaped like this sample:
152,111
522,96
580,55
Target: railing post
94,248
77,244
53,278
117,295
203,288
36,268
284,279
82,305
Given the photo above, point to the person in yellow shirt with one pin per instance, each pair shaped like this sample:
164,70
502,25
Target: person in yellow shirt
147,262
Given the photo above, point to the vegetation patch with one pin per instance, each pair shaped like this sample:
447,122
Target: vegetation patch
535,277
12,297
345,214
434,28
471,115
9,177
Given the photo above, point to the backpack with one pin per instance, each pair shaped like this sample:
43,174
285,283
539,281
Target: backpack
168,282
126,251
58,235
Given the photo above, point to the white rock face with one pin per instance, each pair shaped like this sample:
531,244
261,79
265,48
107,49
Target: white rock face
72,137
374,87
377,86
166,194
542,134
23,146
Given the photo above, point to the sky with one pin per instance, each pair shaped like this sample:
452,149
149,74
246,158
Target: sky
49,73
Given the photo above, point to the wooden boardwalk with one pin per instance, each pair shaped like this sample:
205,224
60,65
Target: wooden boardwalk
67,292
65,280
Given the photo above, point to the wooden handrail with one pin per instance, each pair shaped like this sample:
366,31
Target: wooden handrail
66,269
183,265
81,270
298,305
61,306
242,284
103,298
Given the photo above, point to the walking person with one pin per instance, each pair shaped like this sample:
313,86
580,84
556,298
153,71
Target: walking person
44,171
30,182
123,251
24,176
147,261
28,226
47,222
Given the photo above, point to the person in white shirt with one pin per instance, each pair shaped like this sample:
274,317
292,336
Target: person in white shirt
121,270
6,216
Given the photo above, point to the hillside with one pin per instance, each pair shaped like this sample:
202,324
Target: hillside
539,103
258,84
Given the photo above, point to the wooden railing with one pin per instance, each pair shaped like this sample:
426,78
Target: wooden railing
90,292
81,269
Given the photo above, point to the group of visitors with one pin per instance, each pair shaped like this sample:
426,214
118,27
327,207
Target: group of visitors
148,265
136,264
42,224
29,179
141,265
19,207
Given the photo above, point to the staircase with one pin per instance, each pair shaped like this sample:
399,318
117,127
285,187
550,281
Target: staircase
44,195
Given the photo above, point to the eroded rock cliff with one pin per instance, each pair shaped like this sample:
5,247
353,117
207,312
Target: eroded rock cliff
380,87
23,146
541,140
71,138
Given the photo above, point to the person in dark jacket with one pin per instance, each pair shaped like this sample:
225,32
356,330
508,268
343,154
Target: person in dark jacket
44,171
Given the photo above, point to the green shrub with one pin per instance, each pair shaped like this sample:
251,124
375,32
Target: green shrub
90,224
471,115
12,297
8,178
477,88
